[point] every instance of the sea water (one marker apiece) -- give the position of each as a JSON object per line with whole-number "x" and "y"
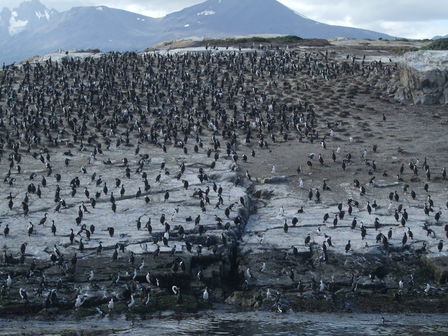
{"x": 241, "y": 324}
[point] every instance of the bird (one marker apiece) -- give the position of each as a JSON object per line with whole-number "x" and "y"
{"x": 30, "y": 229}
{"x": 248, "y": 274}
{"x": 132, "y": 302}
{"x": 99, "y": 248}
{"x": 23, "y": 248}
{"x": 410, "y": 233}
{"x": 91, "y": 276}
{"x": 321, "y": 286}
{"x": 111, "y": 305}
{"x": 347, "y": 246}
{"x": 43, "y": 220}
{"x": 175, "y": 290}
{"x": 377, "y": 223}
{"x": 23, "y": 295}
{"x": 405, "y": 239}
{"x": 307, "y": 239}
{"x": 53, "y": 228}
{"x": 354, "y": 222}
{"x": 205, "y": 295}
{"x": 80, "y": 299}
{"x": 6, "y": 230}
{"x": 335, "y": 220}
{"x": 285, "y": 227}
{"x": 111, "y": 231}
{"x": 9, "y": 281}
{"x": 295, "y": 252}
{"x": 295, "y": 220}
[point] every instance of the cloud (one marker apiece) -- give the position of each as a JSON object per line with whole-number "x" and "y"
{"x": 406, "y": 18}
{"x": 363, "y": 11}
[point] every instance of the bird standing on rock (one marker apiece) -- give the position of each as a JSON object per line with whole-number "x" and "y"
{"x": 348, "y": 247}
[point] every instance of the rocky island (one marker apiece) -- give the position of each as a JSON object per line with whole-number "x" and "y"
{"x": 265, "y": 178}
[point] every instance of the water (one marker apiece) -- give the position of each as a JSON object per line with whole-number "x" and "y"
{"x": 238, "y": 324}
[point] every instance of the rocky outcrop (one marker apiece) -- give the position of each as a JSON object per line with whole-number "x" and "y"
{"x": 438, "y": 267}
{"x": 424, "y": 77}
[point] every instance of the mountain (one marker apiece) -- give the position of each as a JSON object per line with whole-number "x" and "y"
{"x": 243, "y": 17}
{"x": 439, "y": 37}
{"x": 17, "y": 24}
{"x": 41, "y": 30}
{"x": 93, "y": 27}
{"x": 32, "y": 29}
{"x": 28, "y": 16}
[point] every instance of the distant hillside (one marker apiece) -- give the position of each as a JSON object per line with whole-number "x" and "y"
{"x": 439, "y": 37}
{"x": 243, "y": 42}
{"x": 439, "y": 44}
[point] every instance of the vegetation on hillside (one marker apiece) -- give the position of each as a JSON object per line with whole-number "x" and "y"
{"x": 256, "y": 39}
{"x": 276, "y": 41}
{"x": 440, "y": 44}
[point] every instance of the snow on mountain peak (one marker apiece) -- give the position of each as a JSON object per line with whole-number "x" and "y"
{"x": 206, "y": 13}
{"x": 16, "y": 25}
{"x": 41, "y": 15}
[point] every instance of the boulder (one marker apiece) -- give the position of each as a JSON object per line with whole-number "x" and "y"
{"x": 424, "y": 77}
{"x": 438, "y": 266}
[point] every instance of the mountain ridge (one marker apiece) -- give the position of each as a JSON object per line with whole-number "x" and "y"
{"x": 438, "y": 37}
{"x": 32, "y": 29}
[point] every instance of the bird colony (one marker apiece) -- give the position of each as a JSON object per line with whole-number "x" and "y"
{"x": 141, "y": 182}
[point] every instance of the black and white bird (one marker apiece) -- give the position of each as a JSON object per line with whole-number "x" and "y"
{"x": 23, "y": 295}
{"x": 132, "y": 302}
{"x": 205, "y": 295}
{"x": 79, "y": 301}
{"x": 111, "y": 305}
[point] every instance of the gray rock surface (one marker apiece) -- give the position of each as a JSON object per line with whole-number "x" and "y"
{"x": 424, "y": 77}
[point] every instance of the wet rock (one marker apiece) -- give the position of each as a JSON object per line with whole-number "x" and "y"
{"x": 170, "y": 302}
{"x": 243, "y": 299}
{"x": 263, "y": 194}
{"x": 438, "y": 266}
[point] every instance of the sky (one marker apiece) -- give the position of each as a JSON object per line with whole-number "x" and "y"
{"x": 403, "y": 18}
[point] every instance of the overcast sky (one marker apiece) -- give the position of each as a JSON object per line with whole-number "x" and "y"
{"x": 405, "y": 18}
